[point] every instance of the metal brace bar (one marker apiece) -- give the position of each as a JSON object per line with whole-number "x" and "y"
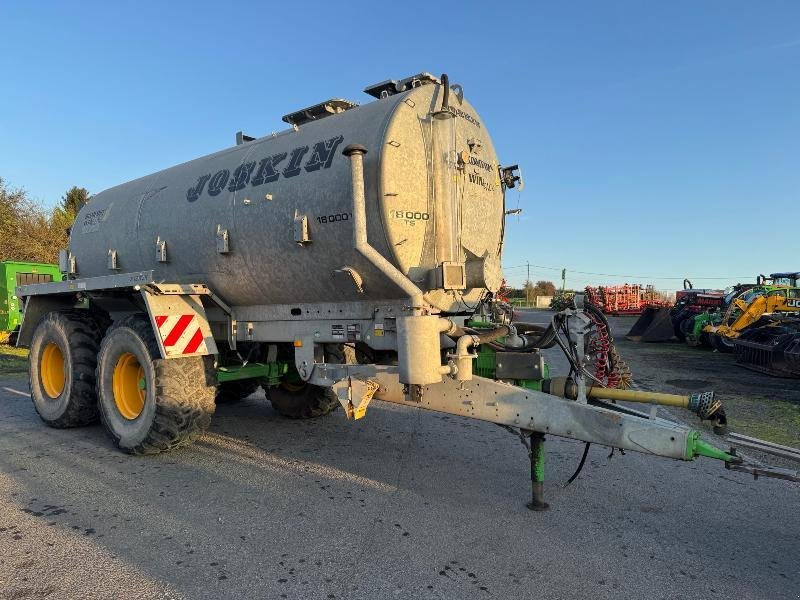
{"x": 764, "y": 446}
{"x": 762, "y": 471}
{"x": 87, "y": 284}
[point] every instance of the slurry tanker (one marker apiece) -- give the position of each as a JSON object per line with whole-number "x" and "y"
{"x": 354, "y": 256}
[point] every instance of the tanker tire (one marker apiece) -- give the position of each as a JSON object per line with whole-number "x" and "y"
{"x": 179, "y": 392}
{"x": 308, "y": 402}
{"x": 76, "y": 335}
{"x": 231, "y": 392}
{"x": 721, "y": 344}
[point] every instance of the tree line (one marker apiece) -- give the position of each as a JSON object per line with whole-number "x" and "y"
{"x": 29, "y": 232}
{"x": 531, "y": 290}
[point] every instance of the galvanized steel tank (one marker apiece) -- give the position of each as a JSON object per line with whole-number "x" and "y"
{"x": 269, "y": 221}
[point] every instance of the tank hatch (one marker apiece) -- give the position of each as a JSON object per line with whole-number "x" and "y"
{"x": 319, "y": 111}
{"x": 393, "y": 86}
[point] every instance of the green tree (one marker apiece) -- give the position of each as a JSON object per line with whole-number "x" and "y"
{"x": 74, "y": 199}
{"x": 529, "y": 291}
{"x": 28, "y": 231}
{"x": 71, "y": 202}
{"x": 544, "y": 288}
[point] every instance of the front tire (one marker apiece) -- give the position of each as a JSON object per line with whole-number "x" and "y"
{"x": 61, "y": 367}
{"x": 304, "y": 401}
{"x": 296, "y": 399}
{"x": 677, "y": 325}
{"x": 231, "y": 392}
{"x": 148, "y": 404}
{"x": 686, "y": 328}
{"x": 722, "y": 343}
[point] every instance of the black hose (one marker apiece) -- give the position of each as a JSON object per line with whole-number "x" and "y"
{"x": 485, "y": 336}
{"x": 589, "y": 307}
{"x": 595, "y": 311}
{"x": 580, "y": 464}
{"x": 490, "y": 336}
{"x": 523, "y": 327}
{"x": 446, "y": 93}
{"x": 546, "y": 340}
{"x": 545, "y": 337}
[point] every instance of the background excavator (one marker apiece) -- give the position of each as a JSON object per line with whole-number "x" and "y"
{"x": 772, "y": 344}
{"x": 715, "y": 317}
{"x": 748, "y": 308}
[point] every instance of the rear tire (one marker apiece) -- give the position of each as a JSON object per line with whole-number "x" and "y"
{"x": 148, "y": 404}
{"x": 61, "y": 367}
{"x": 306, "y": 401}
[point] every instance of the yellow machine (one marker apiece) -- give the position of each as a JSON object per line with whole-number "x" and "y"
{"x": 748, "y": 308}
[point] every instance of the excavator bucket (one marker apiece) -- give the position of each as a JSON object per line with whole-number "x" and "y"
{"x": 654, "y": 325}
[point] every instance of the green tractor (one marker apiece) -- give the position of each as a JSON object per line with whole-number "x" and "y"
{"x": 13, "y": 274}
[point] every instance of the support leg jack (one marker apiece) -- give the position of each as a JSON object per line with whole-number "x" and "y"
{"x": 536, "y": 454}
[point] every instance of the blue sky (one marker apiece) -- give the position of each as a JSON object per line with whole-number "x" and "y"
{"x": 657, "y": 139}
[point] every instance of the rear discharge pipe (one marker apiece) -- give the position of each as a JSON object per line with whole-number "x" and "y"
{"x": 355, "y": 153}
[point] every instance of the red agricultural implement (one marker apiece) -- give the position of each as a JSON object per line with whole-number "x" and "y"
{"x": 626, "y": 299}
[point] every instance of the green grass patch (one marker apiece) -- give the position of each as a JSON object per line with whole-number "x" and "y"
{"x": 768, "y": 419}
{"x": 13, "y": 362}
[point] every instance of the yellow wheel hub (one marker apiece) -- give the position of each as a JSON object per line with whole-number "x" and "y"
{"x": 129, "y": 386}
{"x": 51, "y": 370}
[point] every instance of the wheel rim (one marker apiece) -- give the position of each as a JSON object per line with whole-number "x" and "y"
{"x": 129, "y": 386}
{"x": 51, "y": 370}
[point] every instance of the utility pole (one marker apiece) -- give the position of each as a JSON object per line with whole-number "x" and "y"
{"x": 528, "y": 286}
{"x": 563, "y": 279}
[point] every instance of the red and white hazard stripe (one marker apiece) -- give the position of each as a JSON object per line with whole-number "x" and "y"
{"x": 180, "y": 334}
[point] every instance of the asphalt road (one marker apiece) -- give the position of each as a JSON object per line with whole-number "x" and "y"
{"x": 402, "y": 504}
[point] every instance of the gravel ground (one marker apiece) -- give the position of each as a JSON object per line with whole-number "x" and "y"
{"x": 402, "y": 504}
